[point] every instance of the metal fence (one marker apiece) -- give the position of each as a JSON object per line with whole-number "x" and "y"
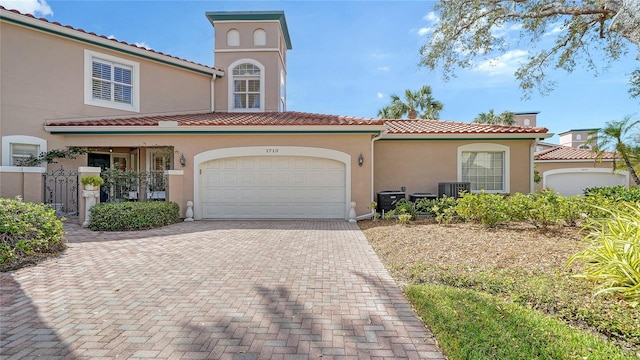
{"x": 133, "y": 186}
{"x": 60, "y": 191}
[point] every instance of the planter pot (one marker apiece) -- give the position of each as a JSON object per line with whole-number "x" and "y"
{"x": 90, "y": 187}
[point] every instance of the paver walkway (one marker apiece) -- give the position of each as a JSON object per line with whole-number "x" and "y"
{"x": 212, "y": 290}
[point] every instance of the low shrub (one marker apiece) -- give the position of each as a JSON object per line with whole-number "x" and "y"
{"x": 404, "y": 210}
{"x": 27, "y": 230}
{"x": 615, "y": 193}
{"x": 613, "y": 255}
{"x": 122, "y": 216}
{"x": 489, "y": 209}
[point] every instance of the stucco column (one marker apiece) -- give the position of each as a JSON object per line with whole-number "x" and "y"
{"x": 32, "y": 184}
{"x": 175, "y": 189}
{"x": 82, "y": 203}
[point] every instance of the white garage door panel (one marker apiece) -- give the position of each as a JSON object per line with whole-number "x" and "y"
{"x": 273, "y": 187}
{"x": 571, "y": 182}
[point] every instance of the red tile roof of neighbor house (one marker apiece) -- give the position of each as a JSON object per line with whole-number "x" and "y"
{"x": 293, "y": 118}
{"x": 451, "y": 127}
{"x": 571, "y": 153}
{"x": 107, "y": 38}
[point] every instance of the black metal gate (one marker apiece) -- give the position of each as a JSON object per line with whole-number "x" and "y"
{"x": 61, "y": 191}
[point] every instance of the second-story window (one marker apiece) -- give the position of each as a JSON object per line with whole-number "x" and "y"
{"x": 111, "y": 82}
{"x": 246, "y": 86}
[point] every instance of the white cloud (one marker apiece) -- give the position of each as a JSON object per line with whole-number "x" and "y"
{"x": 424, "y": 31}
{"x": 111, "y": 37}
{"x": 431, "y": 17}
{"x": 503, "y": 64}
{"x": 380, "y": 95}
{"x": 556, "y": 28}
{"x": 384, "y": 68}
{"x": 33, "y": 7}
{"x": 143, "y": 45}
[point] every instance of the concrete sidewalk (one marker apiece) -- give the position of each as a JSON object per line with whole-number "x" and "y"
{"x": 212, "y": 290}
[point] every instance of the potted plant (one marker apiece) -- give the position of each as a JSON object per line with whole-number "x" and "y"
{"x": 91, "y": 182}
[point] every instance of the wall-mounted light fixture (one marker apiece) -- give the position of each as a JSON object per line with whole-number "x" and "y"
{"x": 183, "y": 161}
{"x": 360, "y": 160}
{"x": 110, "y": 150}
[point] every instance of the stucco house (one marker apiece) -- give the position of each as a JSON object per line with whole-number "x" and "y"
{"x": 222, "y": 135}
{"x": 570, "y": 170}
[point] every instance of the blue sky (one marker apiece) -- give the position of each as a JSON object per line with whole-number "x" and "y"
{"x": 349, "y": 56}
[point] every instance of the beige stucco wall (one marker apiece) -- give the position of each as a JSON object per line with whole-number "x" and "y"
{"x": 271, "y": 56}
{"x": 419, "y": 165}
{"x": 43, "y": 79}
{"x": 191, "y": 145}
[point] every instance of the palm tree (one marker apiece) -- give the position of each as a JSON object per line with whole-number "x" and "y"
{"x": 622, "y": 136}
{"x": 505, "y": 118}
{"x": 412, "y": 102}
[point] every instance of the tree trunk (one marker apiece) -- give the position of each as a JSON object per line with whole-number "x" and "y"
{"x": 413, "y": 114}
{"x": 632, "y": 171}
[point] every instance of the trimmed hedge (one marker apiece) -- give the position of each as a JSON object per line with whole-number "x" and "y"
{"x": 27, "y": 230}
{"x": 615, "y": 193}
{"x": 122, "y": 216}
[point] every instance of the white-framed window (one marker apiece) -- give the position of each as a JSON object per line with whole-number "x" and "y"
{"x": 233, "y": 37}
{"x": 485, "y": 166}
{"x": 19, "y": 147}
{"x": 259, "y": 37}
{"x": 246, "y": 86}
{"x": 111, "y": 82}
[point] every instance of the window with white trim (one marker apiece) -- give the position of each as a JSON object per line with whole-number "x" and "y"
{"x": 111, "y": 82}
{"x": 16, "y": 148}
{"x": 246, "y": 86}
{"x": 233, "y": 37}
{"x": 485, "y": 166}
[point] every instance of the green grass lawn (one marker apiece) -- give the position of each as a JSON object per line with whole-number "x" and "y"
{"x": 474, "y": 325}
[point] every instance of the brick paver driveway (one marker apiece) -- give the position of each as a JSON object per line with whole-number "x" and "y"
{"x": 209, "y": 290}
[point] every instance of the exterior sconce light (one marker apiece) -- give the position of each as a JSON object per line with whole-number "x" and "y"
{"x": 183, "y": 161}
{"x": 110, "y": 150}
{"x": 360, "y": 160}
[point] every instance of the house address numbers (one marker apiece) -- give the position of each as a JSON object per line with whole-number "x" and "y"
{"x": 272, "y": 150}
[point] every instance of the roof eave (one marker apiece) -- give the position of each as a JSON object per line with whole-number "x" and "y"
{"x": 53, "y": 129}
{"x": 97, "y": 40}
{"x": 479, "y": 136}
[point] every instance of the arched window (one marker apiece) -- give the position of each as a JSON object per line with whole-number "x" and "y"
{"x": 233, "y": 38}
{"x": 527, "y": 122}
{"x": 259, "y": 37}
{"x": 247, "y": 89}
{"x": 578, "y": 137}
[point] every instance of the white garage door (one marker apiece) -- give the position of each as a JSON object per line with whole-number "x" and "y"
{"x": 273, "y": 187}
{"x": 571, "y": 182}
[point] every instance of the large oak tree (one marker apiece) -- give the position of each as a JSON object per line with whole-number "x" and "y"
{"x": 585, "y": 31}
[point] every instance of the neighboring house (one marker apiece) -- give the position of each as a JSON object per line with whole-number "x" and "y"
{"x": 222, "y": 135}
{"x": 528, "y": 118}
{"x": 579, "y": 138}
{"x": 570, "y": 170}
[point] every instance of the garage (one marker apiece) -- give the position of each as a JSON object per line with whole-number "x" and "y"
{"x": 573, "y": 181}
{"x": 273, "y": 187}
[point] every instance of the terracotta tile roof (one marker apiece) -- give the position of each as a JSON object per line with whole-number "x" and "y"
{"x": 570, "y": 153}
{"x": 106, "y": 38}
{"x": 451, "y": 127}
{"x": 227, "y": 119}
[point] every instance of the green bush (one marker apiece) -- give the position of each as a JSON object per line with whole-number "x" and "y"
{"x": 442, "y": 209}
{"x": 613, "y": 255}
{"x": 404, "y": 210}
{"x": 27, "y": 229}
{"x": 489, "y": 209}
{"x": 615, "y": 193}
{"x": 121, "y": 216}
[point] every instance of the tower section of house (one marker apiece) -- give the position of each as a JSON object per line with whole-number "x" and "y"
{"x": 251, "y": 46}
{"x": 526, "y": 118}
{"x": 579, "y": 138}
